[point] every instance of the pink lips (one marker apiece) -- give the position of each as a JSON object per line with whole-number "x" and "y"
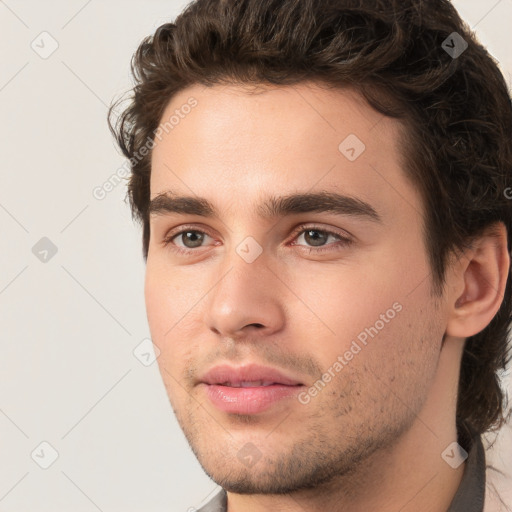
{"x": 247, "y": 389}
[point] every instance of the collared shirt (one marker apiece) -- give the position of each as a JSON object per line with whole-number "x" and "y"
{"x": 469, "y": 496}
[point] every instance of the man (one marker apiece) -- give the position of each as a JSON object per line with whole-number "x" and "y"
{"x": 326, "y": 225}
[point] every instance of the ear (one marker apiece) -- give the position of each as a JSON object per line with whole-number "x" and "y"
{"x": 482, "y": 277}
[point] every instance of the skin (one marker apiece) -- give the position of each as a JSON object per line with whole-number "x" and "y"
{"x": 373, "y": 437}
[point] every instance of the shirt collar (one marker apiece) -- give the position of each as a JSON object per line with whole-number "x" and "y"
{"x": 471, "y": 492}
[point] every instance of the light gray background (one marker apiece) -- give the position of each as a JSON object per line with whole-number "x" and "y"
{"x": 68, "y": 375}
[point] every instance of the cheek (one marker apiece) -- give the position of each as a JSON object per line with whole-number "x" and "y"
{"x": 161, "y": 308}
{"x": 340, "y": 303}
{"x": 171, "y": 307}
{"x": 165, "y": 296}
{"x": 156, "y": 303}
{"x": 376, "y": 303}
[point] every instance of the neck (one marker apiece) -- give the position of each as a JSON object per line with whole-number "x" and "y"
{"x": 410, "y": 475}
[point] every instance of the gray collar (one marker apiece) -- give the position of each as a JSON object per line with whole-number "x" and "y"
{"x": 471, "y": 492}
{"x": 219, "y": 503}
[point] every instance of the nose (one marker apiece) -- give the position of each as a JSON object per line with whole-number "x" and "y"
{"x": 247, "y": 300}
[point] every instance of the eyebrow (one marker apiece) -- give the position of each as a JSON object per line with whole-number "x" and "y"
{"x": 271, "y": 208}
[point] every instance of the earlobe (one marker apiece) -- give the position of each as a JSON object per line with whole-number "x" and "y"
{"x": 485, "y": 270}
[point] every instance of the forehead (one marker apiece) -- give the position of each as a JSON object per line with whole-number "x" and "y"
{"x": 242, "y": 142}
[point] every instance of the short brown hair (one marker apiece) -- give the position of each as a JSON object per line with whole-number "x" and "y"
{"x": 458, "y": 144}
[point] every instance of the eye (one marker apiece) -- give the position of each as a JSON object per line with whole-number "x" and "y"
{"x": 193, "y": 238}
{"x": 310, "y": 235}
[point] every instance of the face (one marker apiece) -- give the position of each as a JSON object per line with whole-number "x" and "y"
{"x": 336, "y": 300}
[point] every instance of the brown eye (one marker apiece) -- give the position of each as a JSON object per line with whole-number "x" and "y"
{"x": 188, "y": 240}
{"x": 194, "y": 238}
{"x": 316, "y": 237}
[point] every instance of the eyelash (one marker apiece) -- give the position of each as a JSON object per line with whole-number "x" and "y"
{"x": 343, "y": 240}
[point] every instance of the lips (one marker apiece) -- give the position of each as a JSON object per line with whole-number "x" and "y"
{"x": 247, "y": 376}
{"x": 249, "y": 389}
{"x": 248, "y": 384}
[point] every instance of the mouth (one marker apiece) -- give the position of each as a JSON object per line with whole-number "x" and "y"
{"x": 250, "y": 384}
{"x": 248, "y": 389}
